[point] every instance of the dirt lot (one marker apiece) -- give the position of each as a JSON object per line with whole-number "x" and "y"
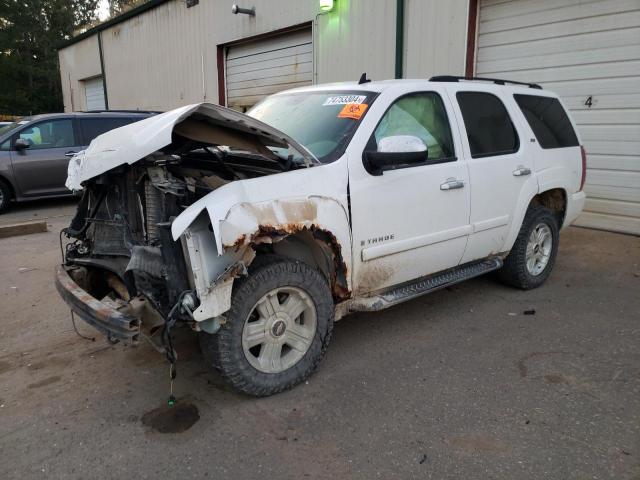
{"x": 458, "y": 384}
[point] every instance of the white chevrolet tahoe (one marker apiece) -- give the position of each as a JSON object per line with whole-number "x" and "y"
{"x": 258, "y": 231}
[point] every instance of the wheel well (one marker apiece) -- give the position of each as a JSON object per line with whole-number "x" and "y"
{"x": 317, "y": 248}
{"x": 555, "y": 200}
{"x": 9, "y": 185}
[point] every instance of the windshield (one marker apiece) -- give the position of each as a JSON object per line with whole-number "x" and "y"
{"x": 12, "y": 126}
{"x": 324, "y": 122}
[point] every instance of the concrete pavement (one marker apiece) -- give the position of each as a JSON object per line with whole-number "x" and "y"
{"x": 457, "y": 384}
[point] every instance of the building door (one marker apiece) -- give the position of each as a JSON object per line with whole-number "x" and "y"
{"x": 588, "y": 53}
{"x": 94, "y": 94}
{"x": 256, "y": 69}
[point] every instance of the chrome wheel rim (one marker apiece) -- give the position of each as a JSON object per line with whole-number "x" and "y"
{"x": 1, "y": 197}
{"x": 539, "y": 249}
{"x": 279, "y": 330}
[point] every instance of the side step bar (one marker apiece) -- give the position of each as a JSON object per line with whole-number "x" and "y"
{"x": 425, "y": 285}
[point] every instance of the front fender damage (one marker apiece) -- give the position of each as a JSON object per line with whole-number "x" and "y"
{"x": 321, "y": 224}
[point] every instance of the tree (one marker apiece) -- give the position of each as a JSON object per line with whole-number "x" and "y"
{"x": 116, "y": 7}
{"x": 30, "y": 32}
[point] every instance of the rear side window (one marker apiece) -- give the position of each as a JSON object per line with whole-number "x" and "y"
{"x": 92, "y": 127}
{"x": 489, "y": 127}
{"x": 548, "y": 120}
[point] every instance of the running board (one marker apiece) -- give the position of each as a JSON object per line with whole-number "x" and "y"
{"x": 424, "y": 285}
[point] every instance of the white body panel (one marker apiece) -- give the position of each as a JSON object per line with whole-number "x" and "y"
{"x": 404, "y": 225}
{"x": 498, "y": 197}
{"x": 240, "y": 207}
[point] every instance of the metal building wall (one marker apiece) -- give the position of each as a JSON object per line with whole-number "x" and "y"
{"x": 167, "y": 56}
{"x": 78, "y": 62}
{"x": 589, "y": 54}
{"x": 171, "y": 50}
{"x": 358, "y": 36}
{"x": 435, "y": 37}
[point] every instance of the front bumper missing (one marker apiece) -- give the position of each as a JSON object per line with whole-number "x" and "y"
{"x": 116, "y": 324}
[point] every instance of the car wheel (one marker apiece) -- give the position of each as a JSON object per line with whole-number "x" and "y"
{"x": 5, "y": 195}
{"x": 277, "y": 330}
{"x": 534, "y": 252}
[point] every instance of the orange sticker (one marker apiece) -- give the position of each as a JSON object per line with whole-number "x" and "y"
{"x": 353, "y": 110}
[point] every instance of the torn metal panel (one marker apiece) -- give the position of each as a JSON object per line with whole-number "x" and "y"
{"x": 271, "y": 221}
{"x": 213, "y": 274}
{"x": 104, "y": 317}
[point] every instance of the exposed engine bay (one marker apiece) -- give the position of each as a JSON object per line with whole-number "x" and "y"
{"x": 121, "y": 249}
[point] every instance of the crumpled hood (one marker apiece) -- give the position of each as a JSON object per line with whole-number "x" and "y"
{"x": 133, "y": 142}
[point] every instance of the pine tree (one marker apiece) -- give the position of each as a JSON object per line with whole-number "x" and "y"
{"x": 30, "y": 32}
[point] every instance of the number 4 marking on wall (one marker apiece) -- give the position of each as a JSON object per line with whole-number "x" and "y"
{"x": 589, "y": 101}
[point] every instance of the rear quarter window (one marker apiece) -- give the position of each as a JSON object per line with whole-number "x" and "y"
{"x": 93, "y": 127}
{"x": 489, "y": 128}
{"x": 548, "y": 120}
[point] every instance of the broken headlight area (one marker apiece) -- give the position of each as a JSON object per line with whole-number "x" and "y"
{"x": 120, "y": 250}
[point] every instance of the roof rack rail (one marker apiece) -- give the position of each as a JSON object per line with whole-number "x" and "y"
{"x": 120, "y": 111}
{"x": 497, "y": 81}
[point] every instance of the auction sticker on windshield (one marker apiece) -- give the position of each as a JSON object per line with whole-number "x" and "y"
{"x": 353, "y": 110}
{"x": 344, "y": 99}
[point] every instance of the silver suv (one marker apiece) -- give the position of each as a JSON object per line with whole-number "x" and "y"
{"x": 35, "y": 151}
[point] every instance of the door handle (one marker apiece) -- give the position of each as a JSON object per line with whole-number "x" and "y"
{"x": 451, "y": 184}
{"x": 70, "y": 153}
{"x": 521, "y": 171}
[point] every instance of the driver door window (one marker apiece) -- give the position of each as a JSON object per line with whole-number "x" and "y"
{"x": 421, "y": 115}
{"x": 50, "y": 134}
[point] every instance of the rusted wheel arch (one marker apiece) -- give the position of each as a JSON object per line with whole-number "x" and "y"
{"x": 311, "y": 245}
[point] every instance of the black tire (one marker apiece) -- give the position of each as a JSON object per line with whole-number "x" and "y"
{"x": 515, "y": 271}
{"x": 5, "y": 195}
{"x": 224, "y": 350}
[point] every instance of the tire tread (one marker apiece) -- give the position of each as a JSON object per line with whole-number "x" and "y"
{"x": 219, "y": 349}
{"x": 514, "y": 271}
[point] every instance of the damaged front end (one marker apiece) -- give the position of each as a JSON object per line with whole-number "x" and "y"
{"x": 124, "y": 271}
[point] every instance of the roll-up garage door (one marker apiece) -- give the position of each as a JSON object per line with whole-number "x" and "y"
{"x": 262, "y": 67}
{"x": 94, "y": 94}
{"x": 589, "y": 53}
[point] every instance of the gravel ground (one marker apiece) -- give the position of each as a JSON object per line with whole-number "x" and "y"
{"x": 457, "y": 384}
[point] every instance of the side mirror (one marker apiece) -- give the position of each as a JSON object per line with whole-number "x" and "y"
{"x": 402, "y": 144}
{"x": 21, "y": 144}
{"x": 397, "y": 151}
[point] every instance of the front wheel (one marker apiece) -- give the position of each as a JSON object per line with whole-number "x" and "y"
{"x": 5, "y": 195}
{"x": 277, "y": 330}
{"x": 534, "y": 252}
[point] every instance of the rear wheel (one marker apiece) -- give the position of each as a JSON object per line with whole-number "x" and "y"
{"x": 534, "y": 252}
{"x": 5, "y": 195}
{"x": 277, "y": 330}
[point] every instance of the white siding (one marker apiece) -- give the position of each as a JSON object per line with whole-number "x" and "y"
{"x": 80, "y": 61}
{"x": 579, "y": 49}
{"x": 435, "y": 35}
{"x": 167, "y": 57}
{"x": 259, "y": 68}
{"x": 94, "y": 94}
{"x": 357, "y": 36}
